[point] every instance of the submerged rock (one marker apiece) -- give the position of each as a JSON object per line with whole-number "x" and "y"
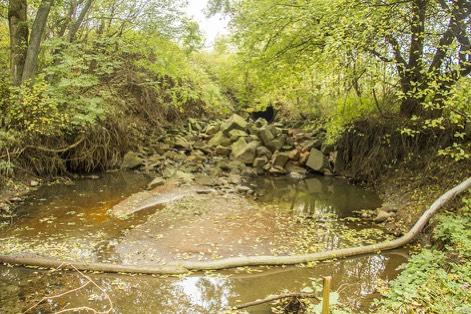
{"x": 159, "y": 181}
{"x": 383, "y": 215}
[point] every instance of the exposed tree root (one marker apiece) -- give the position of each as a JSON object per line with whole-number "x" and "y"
{"x": 233, "y": 262}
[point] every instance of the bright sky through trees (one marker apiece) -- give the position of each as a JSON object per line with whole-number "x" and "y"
{"x": 211, "y": 27}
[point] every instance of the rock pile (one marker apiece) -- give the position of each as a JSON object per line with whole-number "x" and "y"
{"x": 272, "y": 148}
{"x": 236, "y": 145}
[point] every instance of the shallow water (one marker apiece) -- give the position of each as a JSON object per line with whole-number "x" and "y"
{"x": 71, "y": 221}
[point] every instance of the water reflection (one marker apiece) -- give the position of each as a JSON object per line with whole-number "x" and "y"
{"x": 315, "y": 196}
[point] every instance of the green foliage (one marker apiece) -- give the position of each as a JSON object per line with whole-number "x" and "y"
{"x": 34, "y": 112}
{"x": 436, "y": 281}
{"x": 178, "y": 75}
{"x": 347, "y": 111}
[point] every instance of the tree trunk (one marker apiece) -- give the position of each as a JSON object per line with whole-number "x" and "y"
{"x": 411, "y": 106}
{"x": 37, "y": 33}
{"x": 75, "y": 26}
{"x": 18, "y": 25}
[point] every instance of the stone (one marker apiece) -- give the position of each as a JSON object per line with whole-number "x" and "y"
{"x": 132, "y": 161}
{"x": 295, "y": 170}
{"x": 182, "y": 143}
{"x": 252, "y": 129}
{"x": 194, "y": 124}
{"x": 275, "y": 145}
{"x": 260, "y": 123}
{"x": 219, "y": 139}
{"x": 184, "y": 177}
{"x": 316, "y": 161}
{"x": 159, "y": 181}
{"x": 279, "y": 160}
{"x": 382, "y": 216}
{"x": 204, "y": 191}
{"x": 234, "y": 166}
{"x": 266, "y": 136}
{"x": 212, "y": 129}
{"x": 243, "y": 151}
{"x": 277, "y": 170}
{"x": 327, "y": 172}
{"x": 308, "y": 145}
{"x": 223, "y": 150}
{"x": 303, "y": 157}
{"x": 206, "y": 180}
{"x": 260, "y": 162}
{"x": 263, "y": 151}
{"x": 162, "y": 148}
{"x": 174, "y": 155}
{"x": 234, "y": 135}
{"x": 168, "y": 172}
{"x": 243, "y": 189}
{"x": 293, "y": 154}
{"x": 234, "y": 179}
{"x": 233, "y": 123}
{"x": 34, "y": 183}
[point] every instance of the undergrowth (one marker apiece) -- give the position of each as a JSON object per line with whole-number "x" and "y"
{"x": 438, "y": 279}
{"x": 92, "y": 102}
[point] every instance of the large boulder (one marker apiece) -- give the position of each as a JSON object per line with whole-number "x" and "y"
{"x": 235, "y": 122}
{"x": 243, "y": 151}
{"x": 317, "y": 161}
{"x": 132, "y": 161}
{"x": 219, "y": 139}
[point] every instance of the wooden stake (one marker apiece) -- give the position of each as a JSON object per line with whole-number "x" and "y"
{"x": 326, "y": 295}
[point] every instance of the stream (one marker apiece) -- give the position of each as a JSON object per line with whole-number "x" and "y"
{"x": 287, "y": 216}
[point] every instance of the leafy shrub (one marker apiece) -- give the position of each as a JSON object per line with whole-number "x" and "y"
{"x": 34, "y": 111}
{"x": 436, "y": 281}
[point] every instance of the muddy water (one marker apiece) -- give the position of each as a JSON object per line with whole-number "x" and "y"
{"x": 289, "y": 216}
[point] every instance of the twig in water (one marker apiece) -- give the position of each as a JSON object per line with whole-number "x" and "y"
{"x": 76, "y": 309}
{"x": 274, "y": 298}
